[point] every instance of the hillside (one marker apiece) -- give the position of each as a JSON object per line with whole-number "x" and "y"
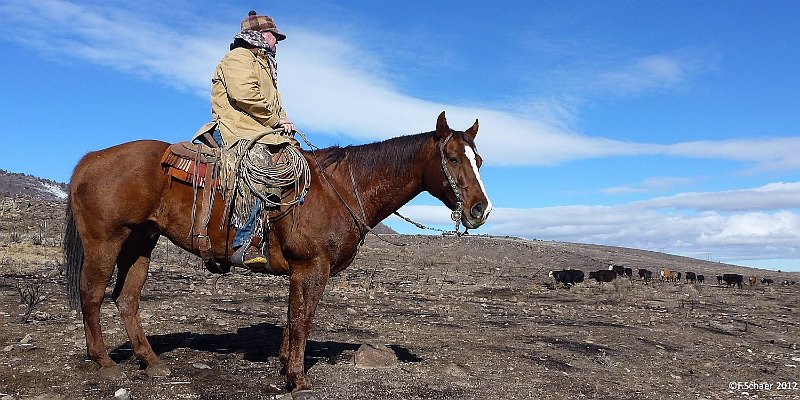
{"x": 31, "y": 187}
{"x": 470, "y": 318}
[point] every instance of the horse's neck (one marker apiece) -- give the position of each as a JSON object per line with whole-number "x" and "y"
{"x": 383, "y": 195}
{"x": 383, "y": 183}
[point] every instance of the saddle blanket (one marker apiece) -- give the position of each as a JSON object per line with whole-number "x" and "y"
{"x": 188, "y": 163}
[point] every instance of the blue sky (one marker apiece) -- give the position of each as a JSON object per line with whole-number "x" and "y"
{"x": 662, "y": 125}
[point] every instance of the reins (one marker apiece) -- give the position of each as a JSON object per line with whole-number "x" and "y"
{"x": 358, "y": 221}
{"x": 455, "y": 215}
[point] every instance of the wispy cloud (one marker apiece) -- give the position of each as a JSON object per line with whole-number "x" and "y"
{"x": 770, "y": 197}
{"x": 650, "y": 72}
{"x": 332, "y": 92}
{"x": 650, "y": 185}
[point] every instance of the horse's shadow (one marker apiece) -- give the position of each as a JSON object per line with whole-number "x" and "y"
{"x": 257, "y": 343}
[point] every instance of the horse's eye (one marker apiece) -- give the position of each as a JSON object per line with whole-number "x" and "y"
{"x": 453, "y": 160}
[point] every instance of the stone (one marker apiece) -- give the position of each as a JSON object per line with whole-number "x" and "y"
{"x": 122, "y": 394}
{"x": 373, "y": 355}
{"x": 40, "y": 316}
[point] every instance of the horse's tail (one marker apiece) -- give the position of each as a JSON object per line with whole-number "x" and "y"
{"x": 73, "y": 259}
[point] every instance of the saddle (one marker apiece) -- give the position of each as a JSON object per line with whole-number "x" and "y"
{"x": 189, "y": 162}
{"x": 198, "y": 165}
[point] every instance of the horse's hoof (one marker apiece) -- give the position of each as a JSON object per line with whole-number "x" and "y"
{"x": 157, "y": 371}
{"x": 112, "y": 372}
{"x": 304, "y": 395}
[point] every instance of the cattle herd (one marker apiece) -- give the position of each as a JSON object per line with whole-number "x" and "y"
{"x": 569, "y": 277}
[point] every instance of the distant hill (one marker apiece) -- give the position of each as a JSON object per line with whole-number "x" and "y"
{"x": 28, "y": 186}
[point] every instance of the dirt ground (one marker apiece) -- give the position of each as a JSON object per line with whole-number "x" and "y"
{"x": 467, "y": 318}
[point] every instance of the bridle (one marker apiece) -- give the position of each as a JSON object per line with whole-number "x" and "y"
{"x": 456, "y": 214}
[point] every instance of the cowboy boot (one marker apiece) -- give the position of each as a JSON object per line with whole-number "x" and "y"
{"x": 255, "y": 258}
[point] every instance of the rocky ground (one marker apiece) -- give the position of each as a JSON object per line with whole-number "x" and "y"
{"x": 465, "y": 318}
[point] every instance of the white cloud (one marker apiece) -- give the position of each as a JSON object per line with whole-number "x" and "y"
{"x": 765, "y": 154}
{"x": 757, "y": 223}
{"x": 770, "y": 197}
{"x": 327, "y": 89}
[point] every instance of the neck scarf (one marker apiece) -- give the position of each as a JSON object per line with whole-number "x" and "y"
{"x": 256, "y": 39}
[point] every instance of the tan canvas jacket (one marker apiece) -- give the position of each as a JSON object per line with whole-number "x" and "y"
{"x": 244, "y": 99}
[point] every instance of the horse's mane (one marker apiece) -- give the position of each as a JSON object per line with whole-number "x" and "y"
{"x": 392, "y": 153}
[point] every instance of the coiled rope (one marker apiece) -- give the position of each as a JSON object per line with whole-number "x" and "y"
{"x": 258, "y": 171}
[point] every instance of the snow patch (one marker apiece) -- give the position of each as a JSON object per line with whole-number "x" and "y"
{"x": 55, "y": 190}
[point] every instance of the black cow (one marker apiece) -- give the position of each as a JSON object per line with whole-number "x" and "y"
{"x": 788, "y": 282}
{"x": 678, "y": 278}
{"x": 603, "y": 275}
{"x": 733, "y": 279}
{"x": 628, "y": 272}
{"x": 691, "y": 276}
{"x": 767, "y": 281}
{"x": 719, "y": 279}
{"x": 645, "y": 274}
{"x": 701, "y": 278}
{"x": 567, "y": 276}
{"x": 618, "y": 269}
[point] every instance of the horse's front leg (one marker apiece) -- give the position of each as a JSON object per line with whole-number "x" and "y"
{"x": 306, "y": 286}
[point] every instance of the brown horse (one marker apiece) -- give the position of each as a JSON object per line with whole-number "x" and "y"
{"x": 121, "y": 201}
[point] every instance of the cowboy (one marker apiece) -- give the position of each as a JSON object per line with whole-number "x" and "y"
{"x": 246, "y": 104}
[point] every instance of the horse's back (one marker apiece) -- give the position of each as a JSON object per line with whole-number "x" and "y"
{"x": 123, "y": 182}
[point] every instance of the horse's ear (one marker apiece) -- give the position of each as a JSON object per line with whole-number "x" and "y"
{"x": 472, "y": 131}
{"x": 442, "y": 130}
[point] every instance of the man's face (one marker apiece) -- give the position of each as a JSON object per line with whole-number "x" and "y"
{"x": 270, "y": 38}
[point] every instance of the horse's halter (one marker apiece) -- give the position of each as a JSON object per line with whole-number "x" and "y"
{"x": 456, "y": 214}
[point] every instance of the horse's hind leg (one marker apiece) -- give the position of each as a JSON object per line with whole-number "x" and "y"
{"x": 132, "y": 267}
{"x": 98, "y": 266}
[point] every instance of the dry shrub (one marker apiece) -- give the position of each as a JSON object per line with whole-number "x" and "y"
{"x": 15, "y": 237}
{"x": 29, "y": 289}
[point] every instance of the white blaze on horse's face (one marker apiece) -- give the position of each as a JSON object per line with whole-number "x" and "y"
{"x": 474, "y": 163}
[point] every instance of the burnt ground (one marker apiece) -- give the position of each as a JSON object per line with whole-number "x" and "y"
{"x": 468, "y": 318}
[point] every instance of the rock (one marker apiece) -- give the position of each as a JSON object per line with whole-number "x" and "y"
{"x": 372, "y": 355}
{"x": 456, "y": 370}
{"x": 8, "y": 348}
{"x": 201, "y": 366}
{"x": 27, "y": 339}
{"x": 122, "y": 394}
{"x": 304, "y": 395}
{"x": 48, "y": 396}
{"x": 25, "y": 346}
{"x": 40, "y": 316}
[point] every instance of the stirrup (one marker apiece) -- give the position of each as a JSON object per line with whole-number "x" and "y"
{"x": 255, "y": 261}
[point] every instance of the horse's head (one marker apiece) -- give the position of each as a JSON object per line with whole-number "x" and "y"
{"x": 454, "y": 175}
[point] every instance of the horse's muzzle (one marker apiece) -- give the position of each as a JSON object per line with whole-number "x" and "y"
{"x": 476, "y": 217}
